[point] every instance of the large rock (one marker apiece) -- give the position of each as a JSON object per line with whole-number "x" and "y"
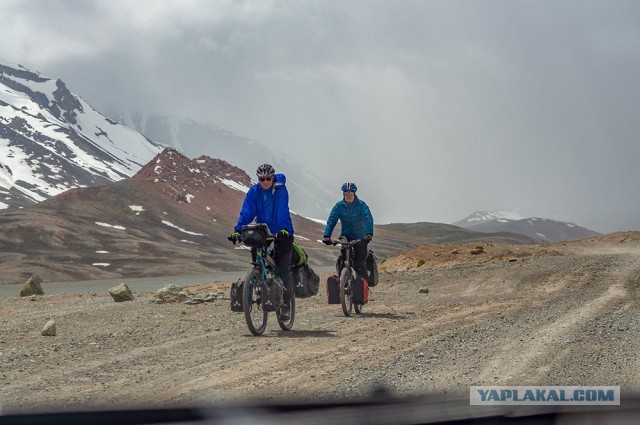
{"x": 121, "y": 293}
{"x": 33, "y": 286}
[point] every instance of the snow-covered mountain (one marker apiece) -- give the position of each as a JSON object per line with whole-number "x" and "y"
{"x": 51, "y": 140}
{"x": 486, "y": 216}
{"x": 537, "y": 228}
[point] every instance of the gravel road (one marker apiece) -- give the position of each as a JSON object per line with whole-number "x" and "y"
{"x": 568, "y": 319}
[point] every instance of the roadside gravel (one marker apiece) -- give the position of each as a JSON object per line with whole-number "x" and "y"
{"x": 561, "y": 319}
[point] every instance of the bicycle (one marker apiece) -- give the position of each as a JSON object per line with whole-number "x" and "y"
{"x": 346, "y": 277}
{"x": 259, "y": 237}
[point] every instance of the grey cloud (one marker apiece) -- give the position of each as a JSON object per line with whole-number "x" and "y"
{"x": 437, "y": 108}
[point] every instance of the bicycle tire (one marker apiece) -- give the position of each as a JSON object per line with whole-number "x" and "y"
{"x": 252, "y": 302}
{"x": 286, "y": 326}
{"x": 345, "y": 292}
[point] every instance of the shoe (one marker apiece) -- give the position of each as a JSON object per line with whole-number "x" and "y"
{"x": 284, "y": 313}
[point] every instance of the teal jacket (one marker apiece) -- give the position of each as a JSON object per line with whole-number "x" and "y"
{"x": 356, "y": 220}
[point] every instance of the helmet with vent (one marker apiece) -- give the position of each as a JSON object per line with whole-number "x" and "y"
{"x": 265, "y": 170}
{"x": 349, "y": 187}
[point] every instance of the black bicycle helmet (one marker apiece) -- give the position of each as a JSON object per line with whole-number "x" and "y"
{"x": 349, "y": 187}
{"x": 265, "y": 170}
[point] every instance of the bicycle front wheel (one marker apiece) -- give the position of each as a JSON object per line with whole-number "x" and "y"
{"x": 252, "y": 291}
{"x": 345, "y": 292}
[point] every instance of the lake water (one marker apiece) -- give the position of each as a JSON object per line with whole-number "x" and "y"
{"x": 143, "y": 284}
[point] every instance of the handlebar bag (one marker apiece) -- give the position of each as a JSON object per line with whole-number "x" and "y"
{"x": 253, "y": 236}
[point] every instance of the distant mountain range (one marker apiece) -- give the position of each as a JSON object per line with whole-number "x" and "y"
{"x": 538, "y": 229}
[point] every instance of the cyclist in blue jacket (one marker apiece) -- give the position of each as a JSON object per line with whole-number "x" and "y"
{"x": 356, "y": 222}
{"x": 268, "y": 202}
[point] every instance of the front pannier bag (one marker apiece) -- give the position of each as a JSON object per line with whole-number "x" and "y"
{"x": 360, "y": 291}
{"x": 272, "y": 298}
{"x": 333, "y": 290}
{"x": 236, "y": 295}
{"x": 372, "y": 268}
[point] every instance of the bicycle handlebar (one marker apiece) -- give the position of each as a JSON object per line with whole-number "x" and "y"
{"x": 335, "y": 242}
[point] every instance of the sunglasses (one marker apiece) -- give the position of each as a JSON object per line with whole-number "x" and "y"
{"x": 262, "y": 179}
{"x": 348, "y": 193}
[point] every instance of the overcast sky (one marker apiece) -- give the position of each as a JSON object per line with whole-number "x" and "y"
{"x": 434, "y": 108}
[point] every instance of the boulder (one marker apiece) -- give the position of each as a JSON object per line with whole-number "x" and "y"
{"x": 121, "y": 293}
{"x": 33, "y": 286}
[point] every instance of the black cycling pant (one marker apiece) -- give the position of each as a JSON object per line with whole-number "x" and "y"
{"x": 284, "y": 248}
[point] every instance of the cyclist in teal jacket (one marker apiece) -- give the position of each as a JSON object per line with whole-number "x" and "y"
{"x": 268, "y": 202}
{"x": 356, "y": 222}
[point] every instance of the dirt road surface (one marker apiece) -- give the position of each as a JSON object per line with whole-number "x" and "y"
{"x": 571, "y": 318}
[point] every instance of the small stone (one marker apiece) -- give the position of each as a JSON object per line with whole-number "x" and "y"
{"x": 49, "y": 328}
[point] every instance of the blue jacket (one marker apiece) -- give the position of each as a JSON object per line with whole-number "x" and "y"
{"x": 356, "y": 220}
{"x": 267, "y": 206}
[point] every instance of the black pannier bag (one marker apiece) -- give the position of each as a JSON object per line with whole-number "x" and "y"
{"x": 254, "y": 235}
{"x": 372, "y": 268}
{"x": 272, "y": 297}
{"x": 236, "y": 295}
{"x": 360, "y": 291}
{"x": 306, "y": 282}
{"x": 333, "y": 290}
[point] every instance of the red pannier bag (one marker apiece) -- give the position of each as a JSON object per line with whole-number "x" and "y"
{"x": 360, "y": 293}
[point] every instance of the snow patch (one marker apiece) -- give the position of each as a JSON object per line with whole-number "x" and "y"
{"x": 235, "y": 185}
{"x": 101, "y": 264}
{"x": 167, "y": 223}
{"x": 136, "y": 207}
{"x": 99, "y": 223}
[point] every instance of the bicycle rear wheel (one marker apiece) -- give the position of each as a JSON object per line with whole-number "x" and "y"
{"x": 345, "y": 292}
{"x": 254, "y": 314}
{"x": 287, "y": 325}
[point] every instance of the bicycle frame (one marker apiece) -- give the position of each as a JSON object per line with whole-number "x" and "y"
{"x": 346, "y": 275}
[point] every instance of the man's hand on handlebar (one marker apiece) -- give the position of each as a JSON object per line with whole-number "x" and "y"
{"x": 327, "y": 240}
{"x": 235, "y": 237}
